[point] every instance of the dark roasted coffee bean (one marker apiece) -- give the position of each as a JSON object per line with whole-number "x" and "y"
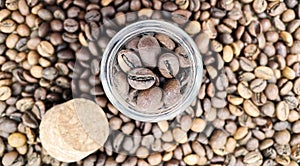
{"x": 128, "y": 60}
{"x": 92, "y": 15}
{"x": 168, "y": 65}
{"x": 149, "y": 49}
{"x": 150, "y": 99}
{"x": 141, "y": 78}
{"x": 182, "y": 56}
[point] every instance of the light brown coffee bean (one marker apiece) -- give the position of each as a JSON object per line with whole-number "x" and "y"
{"x": 168, "y": 65}
{"x": 7, "y": 26}
{"x": 246, "y": 64}
{"x": 253, "y": 158}
{"x": 241, "y": 133}
{"x": 36, "y": 71}
{"x": 9, "y": 158}
{"x": 227, "y": 53}
{"x": 11, "y": 40}
{"x": 191, "y": 159}
{"x": 250, "y": 108}
{"x": 149, "y": 49}
{"x": 5, "y": 93}
{"x": 150, "y": 99}
{"x": 258, "y": 85}
{"x": 272, "y": 92}
{"x": 282, "y": 137}
{"x": 141, "y": 78}
{"x": 297, "y": 86}
{"x": 282, "y": 111}
{"x": 11, "y": 4}
{"x": 259, "y": 6}
{"x": 289, "y": 73}
{"x": 45, "y": 49}
{"x": 263, "y": 72}
{"x": 288, "y": 15}
{"x": 179, "y": 135}
{"x": 193, "y": 27}
{"x": 243, "y": 90}
{"x": 4, "y": 13}
{"x": 287, "y": 38}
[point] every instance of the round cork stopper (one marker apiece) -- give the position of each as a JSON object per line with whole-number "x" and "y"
{"x": 73, "y": 130}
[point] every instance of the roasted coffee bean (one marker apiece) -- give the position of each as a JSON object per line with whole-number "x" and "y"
{"x": 149, "y": 49}
{"x": 150, "y": 99}
{"x": 165, "y": 41}
{"x": 7, "y": 26}
{"x": 121, "y": 83}
{"x": 70, "y": 25}
{"x": 141, "y": 78}
{"x": 172, "y": 92}
{"x": 183, "y": 58}
{"x": 128, "y": 60}
{"x": 168, "y": 65}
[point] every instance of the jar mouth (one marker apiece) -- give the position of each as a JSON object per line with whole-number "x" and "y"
{"x": 131, "y": 31}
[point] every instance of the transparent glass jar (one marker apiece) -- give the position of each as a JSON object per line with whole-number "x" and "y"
{"x": 110, "y": 57}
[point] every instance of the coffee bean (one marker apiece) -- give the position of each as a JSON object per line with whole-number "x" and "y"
{"x": 258, "y": 85}
{"x": 259, "y": 6}
{"x": 276, "y": 8}
{"x": 182, "y": 57}
{"x": 250, "y": 108}
{"x": 70, "y": 25}
{"x": 253, "y": 157}
{"x": 9, "y": 158}
{"x": 246, "y": 64}
{"x": 141, "y": 78}
{"x": 149, "y": 49}
{"x": 282, "y": 110}
{"x": 243, "y": 90}
{"x": 128, "y": 60}
{"x": 45, "y": 49}
{"x": 181, "y": 16}
{"x": 264, "y": 72}
{"x": 45, "y": 14}
{"x": 168, "y": 65}
{"x": 150, "y": 99}
{"x": 292, "y": 101}
{"x": 5, "y": 93}
{"x": 165, "y": 41}
{"x": 171, "y": 92}
{"x": 7, "y": 26}
{"x": 193, "y": 27}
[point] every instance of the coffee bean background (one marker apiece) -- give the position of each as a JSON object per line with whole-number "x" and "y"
{"x": 246, "y": 112}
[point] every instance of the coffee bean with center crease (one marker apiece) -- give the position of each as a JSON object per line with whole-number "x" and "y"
{"x": 70, "y": 25}
{"x": 182, "y": 56}
{"x": 168, "y": 65}
{"x": 7, "y": 26}
{"x": 149, "y": 49}
{"x": 128, "y": 60}
{"x": 141, "y": 78}
{"x": 258, "y": 85}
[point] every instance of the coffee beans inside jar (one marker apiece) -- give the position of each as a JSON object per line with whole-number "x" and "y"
{"x": 151, "y": 72}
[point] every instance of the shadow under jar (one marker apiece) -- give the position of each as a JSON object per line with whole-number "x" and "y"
{"x": 151, "y": 70}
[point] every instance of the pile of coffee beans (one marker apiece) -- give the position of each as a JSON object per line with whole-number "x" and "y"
{"x": 152, "y": 71}
{"x": 246, "y": 112}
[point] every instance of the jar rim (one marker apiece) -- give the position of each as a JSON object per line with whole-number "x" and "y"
{"x": 128, "y": 33}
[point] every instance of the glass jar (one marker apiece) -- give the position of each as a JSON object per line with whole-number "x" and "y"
{"x": 109, "y": 60}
